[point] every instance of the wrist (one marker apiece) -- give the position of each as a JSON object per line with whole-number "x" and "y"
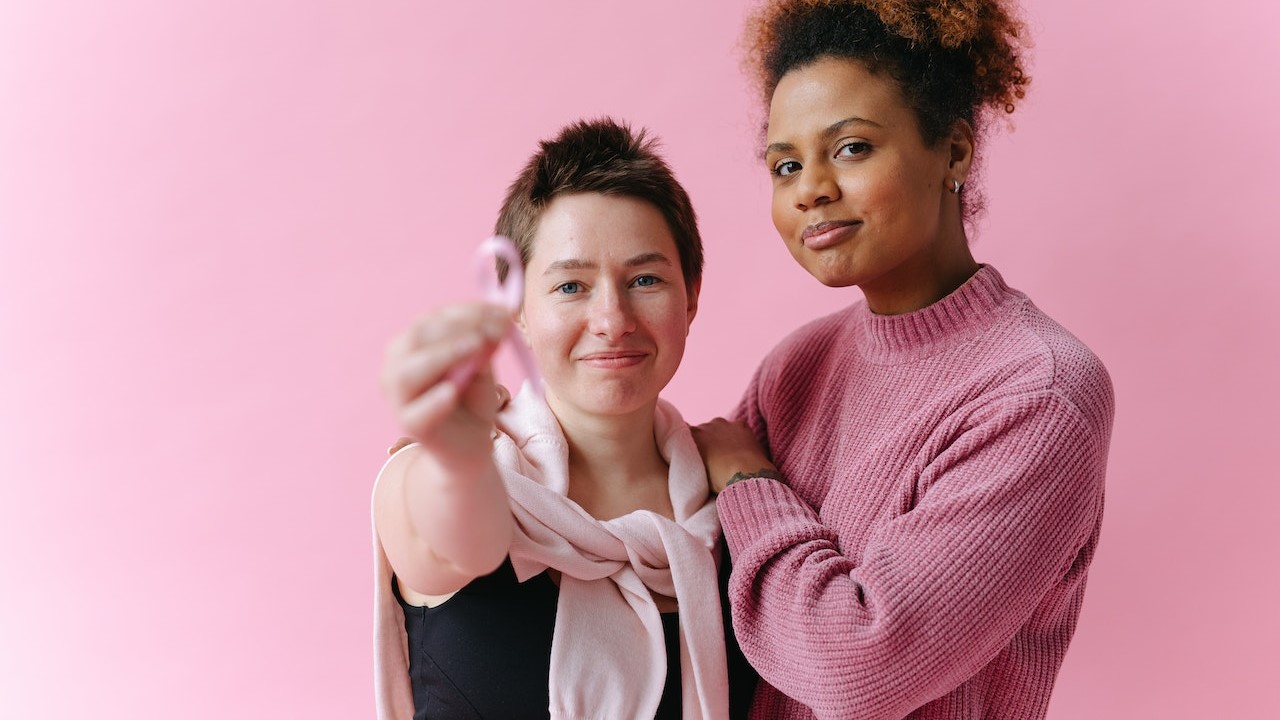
{"x": 445, "y": 468}
{"x": 768, "y": 471}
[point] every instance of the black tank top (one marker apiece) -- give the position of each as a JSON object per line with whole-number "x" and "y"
{"x": 486, "y": 652}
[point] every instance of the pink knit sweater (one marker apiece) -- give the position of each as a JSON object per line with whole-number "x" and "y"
{"x": 926, "y": 556}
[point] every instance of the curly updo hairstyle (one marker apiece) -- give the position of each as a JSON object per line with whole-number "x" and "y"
{"x": 951, "y": 59}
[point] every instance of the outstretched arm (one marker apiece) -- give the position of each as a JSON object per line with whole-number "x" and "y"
{"x": 440, "y": 507}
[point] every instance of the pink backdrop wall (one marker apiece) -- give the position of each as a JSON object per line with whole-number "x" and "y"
{"x": 213, "y": 214}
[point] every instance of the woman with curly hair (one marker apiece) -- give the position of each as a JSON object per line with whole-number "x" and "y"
{"x": 911, "y": 489}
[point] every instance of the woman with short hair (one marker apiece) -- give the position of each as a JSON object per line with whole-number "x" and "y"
{"x": 557, "y": 557}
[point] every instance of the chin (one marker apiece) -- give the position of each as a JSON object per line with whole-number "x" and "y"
{"x": 835, "y": 280}
{"x": 827, "y": 267}
{"x": 608, "y": 401}
{"x": 832, "y": 276}
{"x": 618, "y": 407}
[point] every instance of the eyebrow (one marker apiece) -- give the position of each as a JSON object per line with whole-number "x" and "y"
{"x": 578, "y": 264}
{"x": 831, "y": 129}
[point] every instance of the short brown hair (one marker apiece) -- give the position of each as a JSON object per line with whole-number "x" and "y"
{"x": 599, "y": 156}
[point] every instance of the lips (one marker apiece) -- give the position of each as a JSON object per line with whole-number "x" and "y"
{"x": 612, "y": 359}
{"x": 820, "y": 236}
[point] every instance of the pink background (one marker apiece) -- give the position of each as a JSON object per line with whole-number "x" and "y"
{"x": 213, "y": 215}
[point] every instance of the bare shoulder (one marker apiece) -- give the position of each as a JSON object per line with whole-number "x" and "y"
{"x": 417, "y": 599}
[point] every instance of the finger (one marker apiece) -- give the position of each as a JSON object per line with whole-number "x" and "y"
{"x": 413, "y": 374}
{"x": 401, "y": 345}
{"x": 439, "y": 345}
{"x": 446, "y": 324}
{"x": 443, "y": 324}
{"x": 706, "y": 430}
{"x": 461, "y": 375}
{"x": 399, "y": 445}
{"x": 480, "y": 394}
{"x": 421, "y": 416}
{"x": 700, "y": 440}
{"x": 465, "y": 360}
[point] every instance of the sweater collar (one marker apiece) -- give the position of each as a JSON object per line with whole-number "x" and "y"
{"x": 970, "y": 309}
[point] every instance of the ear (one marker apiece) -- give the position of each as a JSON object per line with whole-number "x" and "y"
{"x": 960, "y": 149}
{"x": 694, "y": 291}
{"x": 523, "y": 326}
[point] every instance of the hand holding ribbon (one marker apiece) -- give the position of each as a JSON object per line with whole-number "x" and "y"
{"x": 509, "y": 293}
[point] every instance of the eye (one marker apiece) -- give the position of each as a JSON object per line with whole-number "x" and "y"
{"x": 853, "y": 149}
{"x": 646, "y": 281}
{"x": 569, "y": 288}
{"x": 785, "y": 168}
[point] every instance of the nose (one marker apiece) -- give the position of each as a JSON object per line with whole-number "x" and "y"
{"x": 612, "y": 316}
{"x": 817, "y": 186}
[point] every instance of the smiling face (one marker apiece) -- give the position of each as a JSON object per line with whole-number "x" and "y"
{"x": 858, "y": 197}
{"x": 606, "y": 309}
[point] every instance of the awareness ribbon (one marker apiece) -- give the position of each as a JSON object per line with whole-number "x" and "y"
{"x": 508, "y": 293}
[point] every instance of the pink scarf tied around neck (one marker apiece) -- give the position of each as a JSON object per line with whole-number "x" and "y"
{"x": 608, "y": 652}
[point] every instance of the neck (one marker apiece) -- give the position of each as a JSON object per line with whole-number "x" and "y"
{"x": 934, "y": 274}
{"x": 609, "y": 452}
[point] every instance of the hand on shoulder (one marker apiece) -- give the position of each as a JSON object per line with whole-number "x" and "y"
{"x": 731, "y": 452}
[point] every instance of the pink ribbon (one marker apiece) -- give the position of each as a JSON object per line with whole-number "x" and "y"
{"x": 509, "y": 294}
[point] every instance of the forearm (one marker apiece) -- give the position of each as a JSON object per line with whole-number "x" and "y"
{"x": 462, "y": 511}
{"x": 845, "y": 640}
{"x": 928, "y": 599}
{"x": 801, "y": 620}
{"x": 442, "y": 524}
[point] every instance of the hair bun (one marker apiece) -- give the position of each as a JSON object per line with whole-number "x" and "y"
{"x": 988, "y": 33}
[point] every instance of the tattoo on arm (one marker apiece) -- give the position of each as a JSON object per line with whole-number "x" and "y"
{"x": 761, "y": 473}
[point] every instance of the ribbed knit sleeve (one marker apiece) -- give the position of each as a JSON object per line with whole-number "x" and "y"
{"x": 748, "y": 410}
{"x": 1002, "y": 513}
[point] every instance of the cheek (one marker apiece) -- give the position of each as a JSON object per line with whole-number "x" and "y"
{"x": 783, "y": 220}
{"x": 891, "y": 200}
{"x": 547, "y": 332}
{"x": 670, "y": 323}
{"x": 677, "y": 326}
